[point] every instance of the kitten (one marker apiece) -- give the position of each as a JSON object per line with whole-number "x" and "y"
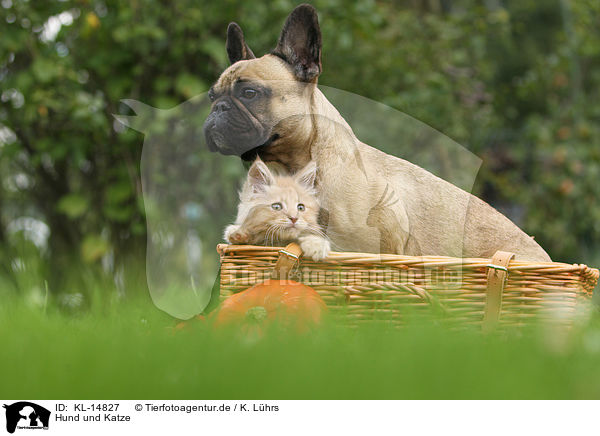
{"x": 277, "y": 208}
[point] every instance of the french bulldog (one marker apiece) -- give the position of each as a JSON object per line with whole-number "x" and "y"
{"x": 271, "y": 106}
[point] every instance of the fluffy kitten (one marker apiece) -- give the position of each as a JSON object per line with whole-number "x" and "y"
{"x": 277, "y": 208}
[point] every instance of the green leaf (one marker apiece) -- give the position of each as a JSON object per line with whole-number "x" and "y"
{"x": 119, "y": 192}
{"x": 93, "y": 248}
{"x": 118, "y": 213}
{"x": 189, "y": 85}
{"x": 44, "y": 70}
{"x": 73, "y": 205}
{"x": 214, "y": 47}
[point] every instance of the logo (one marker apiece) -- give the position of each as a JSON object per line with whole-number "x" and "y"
{"x": 26, "y": 415}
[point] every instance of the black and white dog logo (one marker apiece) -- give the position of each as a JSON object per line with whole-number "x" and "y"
{"x": 26, "y": 415}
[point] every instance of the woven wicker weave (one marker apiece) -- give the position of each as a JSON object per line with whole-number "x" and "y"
{"x": 362, "y": 287}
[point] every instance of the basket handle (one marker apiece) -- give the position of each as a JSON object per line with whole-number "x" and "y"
{"x": 288, "y": 258}
{"x": 496, "y": 279}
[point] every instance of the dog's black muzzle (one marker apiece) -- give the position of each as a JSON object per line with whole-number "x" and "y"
{"x": 230, "y": 129}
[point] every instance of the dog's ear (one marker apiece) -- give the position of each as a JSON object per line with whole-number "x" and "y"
{"x": 307, "y": 175}
{"x": 237, "y": 49}
{"x": 259, "y": 176}
{"x": 300, "y": 43}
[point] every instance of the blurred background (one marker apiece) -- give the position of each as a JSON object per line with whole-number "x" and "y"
{"x": 516, "y": 82}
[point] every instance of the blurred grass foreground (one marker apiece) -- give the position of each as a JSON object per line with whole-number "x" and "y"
{"x": 131, "y": 351}
{"x": 517, "y": 83}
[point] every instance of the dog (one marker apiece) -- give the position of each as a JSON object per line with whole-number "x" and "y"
{"x": 271, "y": 106}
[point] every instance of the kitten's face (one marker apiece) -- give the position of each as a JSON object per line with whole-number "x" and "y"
{"x": 280, "y": 207}
{"x": 287, "y": 208}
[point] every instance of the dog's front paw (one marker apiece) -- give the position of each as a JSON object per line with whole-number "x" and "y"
{"x": 315, "y": 247}
{"x": 235, "y": 235}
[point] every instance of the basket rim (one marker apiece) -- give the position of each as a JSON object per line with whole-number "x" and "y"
{"x": 347, "y": 257}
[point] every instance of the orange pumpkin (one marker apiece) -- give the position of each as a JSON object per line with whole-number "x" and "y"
{"x": 285, "y": 302}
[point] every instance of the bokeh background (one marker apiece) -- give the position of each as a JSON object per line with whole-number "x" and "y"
{"x": 516, "y": 82}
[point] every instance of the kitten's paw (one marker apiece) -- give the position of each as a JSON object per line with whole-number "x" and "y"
{"x": 315, "y": 247}
{"x": 229, "y": 230}
{"x": 239, "y": 237}
{"x": 235, "y": 235}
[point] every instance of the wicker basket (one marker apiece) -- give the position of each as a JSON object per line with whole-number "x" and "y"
{"x": 361, "y": 287}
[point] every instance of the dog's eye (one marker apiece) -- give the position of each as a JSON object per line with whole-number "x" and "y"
{"x": 276, "y": 206}
{"x": 301, "y": 207}
{"x": 249, "y": 93}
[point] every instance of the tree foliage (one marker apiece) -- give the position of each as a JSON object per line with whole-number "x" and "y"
{"x": 516, "y": 82}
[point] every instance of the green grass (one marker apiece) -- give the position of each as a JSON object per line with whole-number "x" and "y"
{"x": 128, "y": 350}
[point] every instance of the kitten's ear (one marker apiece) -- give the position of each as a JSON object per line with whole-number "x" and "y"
{"x": 307, "y": 175}
{"x": 259, "y": 176}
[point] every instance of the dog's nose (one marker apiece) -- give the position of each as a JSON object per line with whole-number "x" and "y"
{"x": 293, "y": 219}
{"x": 222, "y": 106}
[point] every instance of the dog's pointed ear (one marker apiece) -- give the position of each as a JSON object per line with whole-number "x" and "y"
{"x": 237, "y": 49}
{"x": 300, "y": 43}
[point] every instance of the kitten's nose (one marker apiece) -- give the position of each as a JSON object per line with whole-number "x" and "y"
{"x": 293, "y": 219}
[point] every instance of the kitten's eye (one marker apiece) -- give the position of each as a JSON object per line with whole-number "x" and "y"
{"x": 249, "y": 93}
{"x": 276, "y": 206}
{"x": 301, "y": 207}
